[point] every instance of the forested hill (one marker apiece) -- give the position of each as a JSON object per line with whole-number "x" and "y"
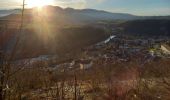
{"x": 147, "y": 27}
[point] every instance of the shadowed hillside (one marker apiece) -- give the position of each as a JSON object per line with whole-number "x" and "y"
{"x": 147, "y": 27}
{"x": 60, "y": 41}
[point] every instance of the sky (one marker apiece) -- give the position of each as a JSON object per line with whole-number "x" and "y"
{"x": 136, "y": 7}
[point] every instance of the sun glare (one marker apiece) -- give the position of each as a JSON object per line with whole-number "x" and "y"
{"x": 38, "y": 3}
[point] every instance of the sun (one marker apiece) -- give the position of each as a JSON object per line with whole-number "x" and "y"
{"x": 38, "y": 3}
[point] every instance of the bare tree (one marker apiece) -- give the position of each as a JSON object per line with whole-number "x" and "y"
{"x": 5, "y": 61}
{"x": 75, "y": 86}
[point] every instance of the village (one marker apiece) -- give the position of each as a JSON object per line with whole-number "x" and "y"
{"x": 117, "y": 49}
{"x": 114, "y": 50}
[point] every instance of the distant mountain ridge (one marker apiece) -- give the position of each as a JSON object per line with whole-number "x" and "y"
{"x": 83, "y": 15}
{"x": 8, "y": 12}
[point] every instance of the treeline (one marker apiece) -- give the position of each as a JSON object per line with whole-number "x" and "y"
{"x": 147, "y": 27}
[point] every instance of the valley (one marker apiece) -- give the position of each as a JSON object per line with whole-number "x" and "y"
{"x": 84, "y": 54}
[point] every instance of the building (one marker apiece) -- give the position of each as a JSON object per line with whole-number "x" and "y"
{"x": 166, "y": 49}
{"x": 85, "y": 64}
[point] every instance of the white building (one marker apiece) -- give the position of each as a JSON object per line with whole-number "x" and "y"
{"x": 166, "y": 49}
{"x": 86, "y": 64}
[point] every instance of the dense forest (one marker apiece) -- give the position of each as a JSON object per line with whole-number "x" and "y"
{"x": 147, "y": 27}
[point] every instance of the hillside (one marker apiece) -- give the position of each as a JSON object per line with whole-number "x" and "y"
{"x": 147, "y": 27}
{"x": 59, "y": 41}
{"x": 53, "y": 30}
{"x": 78, "y": 15}
{"x": 8, "y": 12}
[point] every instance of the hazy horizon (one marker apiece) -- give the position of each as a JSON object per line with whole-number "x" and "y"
{"x": 142, "y": 7}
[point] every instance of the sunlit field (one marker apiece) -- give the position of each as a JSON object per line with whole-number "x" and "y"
{"x": 84, "y": 50}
